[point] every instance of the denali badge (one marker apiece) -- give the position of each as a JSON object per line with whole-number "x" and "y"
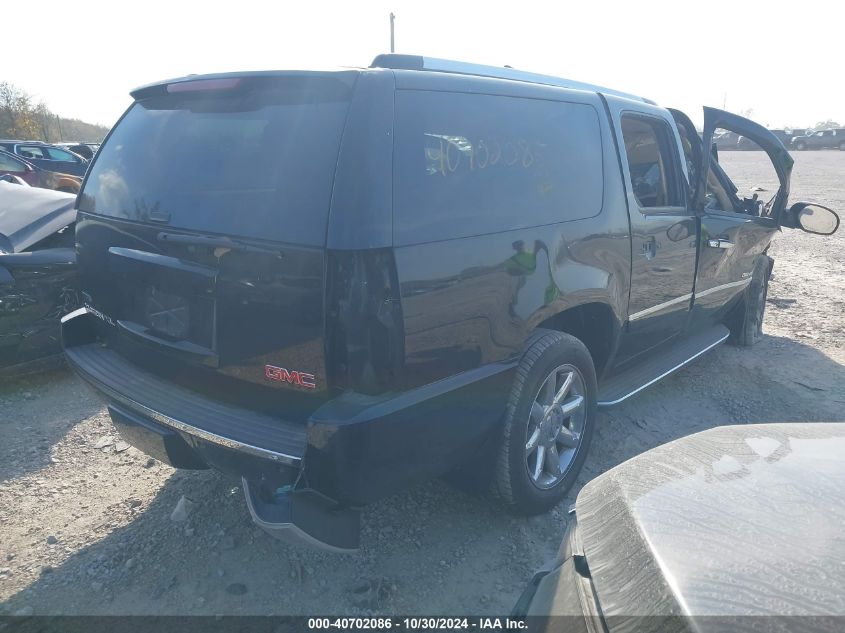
{"x": 298, "y": 378}
{"x": 103, "y": 317}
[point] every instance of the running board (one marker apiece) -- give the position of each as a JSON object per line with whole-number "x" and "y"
{"x": 305, "y": 517}
{"x": 625, "y": 384}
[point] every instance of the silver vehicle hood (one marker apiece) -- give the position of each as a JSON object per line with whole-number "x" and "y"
{"x": 737, "y": 520}
{"x": 29, "y": 214}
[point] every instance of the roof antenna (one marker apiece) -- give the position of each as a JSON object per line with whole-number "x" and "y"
{"x": 392, "y": 46}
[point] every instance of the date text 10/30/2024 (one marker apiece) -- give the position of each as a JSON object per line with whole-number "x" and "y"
{"x": 418, "y": 624}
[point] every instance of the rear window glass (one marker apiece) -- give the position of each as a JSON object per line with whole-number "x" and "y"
{"x": 256, "y": 161}
{"x": 470, "y": 164}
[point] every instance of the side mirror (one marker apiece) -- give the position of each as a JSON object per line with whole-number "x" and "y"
{"x": 813, "y": 218}
{"x": 679, "y": 231}
{"x": 714, "y": 151}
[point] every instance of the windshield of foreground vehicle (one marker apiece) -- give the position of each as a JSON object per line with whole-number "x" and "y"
{"x": 256, "y": 161}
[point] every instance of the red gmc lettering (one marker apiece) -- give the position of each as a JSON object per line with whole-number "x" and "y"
{"x": 298, "y": 378}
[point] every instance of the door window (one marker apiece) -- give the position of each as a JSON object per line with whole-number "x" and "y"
{"x": 717, "y": 196}
{"x": 652, "y": 162}
{"x": 31, "y": 151}
{"x": 60, "y": 154}
{"x": 7, "y": 163}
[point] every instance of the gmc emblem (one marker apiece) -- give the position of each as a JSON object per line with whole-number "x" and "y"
{"x": 297, "y": 378}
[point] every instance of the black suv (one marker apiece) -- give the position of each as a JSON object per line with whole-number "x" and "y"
{"x": 334, "y": 284}
{"x": 823, "y": 139}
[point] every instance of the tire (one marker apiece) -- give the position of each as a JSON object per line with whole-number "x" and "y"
{"x": 842, "y": 146}
{"x": 746, "y": 322}
{"x": 552, "y": 357}
{"x": 800, "y": 146}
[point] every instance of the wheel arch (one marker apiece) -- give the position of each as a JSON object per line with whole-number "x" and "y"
{"x": 594, "y": 324}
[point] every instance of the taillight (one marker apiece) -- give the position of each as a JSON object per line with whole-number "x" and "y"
{"x": 364, "y": 328}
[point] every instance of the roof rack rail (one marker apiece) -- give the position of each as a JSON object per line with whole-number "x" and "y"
{"x": 433, "y": 64}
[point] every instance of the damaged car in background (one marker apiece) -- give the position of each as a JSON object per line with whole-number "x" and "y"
{"x": 37, "y": 275}
{"x": 19, "y": 170}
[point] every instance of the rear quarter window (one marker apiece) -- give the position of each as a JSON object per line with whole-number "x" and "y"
{"x": 470, "y": 164}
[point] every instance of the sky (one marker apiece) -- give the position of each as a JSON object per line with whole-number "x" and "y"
{"x": 776, "y": 59}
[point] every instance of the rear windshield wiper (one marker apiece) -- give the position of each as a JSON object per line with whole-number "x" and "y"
{"x": 224, "y": 242}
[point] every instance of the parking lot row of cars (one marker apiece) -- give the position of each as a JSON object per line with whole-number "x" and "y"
{"x": 38, "y": 164}
{"x": 798, "y": 139}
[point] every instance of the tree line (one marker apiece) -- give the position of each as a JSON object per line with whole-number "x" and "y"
{"x": 21, "y": 117}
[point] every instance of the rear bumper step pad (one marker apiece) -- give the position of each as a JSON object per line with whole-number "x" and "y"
{"x": 305, "y": 518}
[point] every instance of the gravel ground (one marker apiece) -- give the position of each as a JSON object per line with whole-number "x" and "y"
{"x": 85, "y": 520}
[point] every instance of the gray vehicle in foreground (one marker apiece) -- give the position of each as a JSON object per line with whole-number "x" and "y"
{"x": 735, "y": 528}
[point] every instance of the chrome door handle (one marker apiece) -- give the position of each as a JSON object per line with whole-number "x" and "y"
{"x": 720, "y": 243}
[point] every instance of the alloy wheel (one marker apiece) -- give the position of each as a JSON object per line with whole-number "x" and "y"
{"x": 555, "y": 426}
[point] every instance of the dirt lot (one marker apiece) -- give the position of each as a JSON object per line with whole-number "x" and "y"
{"x": 85, "y": 523}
